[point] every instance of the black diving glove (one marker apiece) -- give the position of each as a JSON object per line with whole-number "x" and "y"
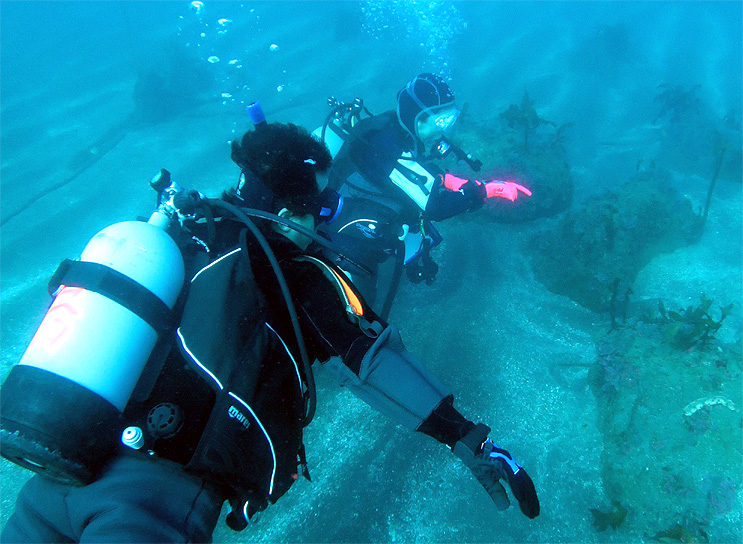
{"x": 476, "y": 193}
{"x": 490, "y": 464}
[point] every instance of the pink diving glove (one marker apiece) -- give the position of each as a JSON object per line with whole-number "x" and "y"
{"x": 453, "y": 183}
{"x": 506, "y": 189}
{"x": 502, "y": 189}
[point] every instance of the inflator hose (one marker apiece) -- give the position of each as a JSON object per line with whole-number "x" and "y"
{"x": 327, "y": 244}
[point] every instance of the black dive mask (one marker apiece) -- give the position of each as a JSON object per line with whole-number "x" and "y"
{"x": 253, "y": 193}
{"x": 330, "y": 206}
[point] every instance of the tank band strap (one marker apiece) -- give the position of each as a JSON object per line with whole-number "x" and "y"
{"x": 117, "y": 287}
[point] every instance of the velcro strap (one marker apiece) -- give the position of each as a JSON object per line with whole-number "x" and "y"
{"x": 467, "y": 447}
{"x": 117, "y": 287}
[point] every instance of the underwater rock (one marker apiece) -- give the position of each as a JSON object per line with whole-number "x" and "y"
{"x": 175, "y": 83}
{"x": 677, "y": 101}
{"x": 679, "y": 533}
{"x": 694, "y": 134}
{"x": 538, "y": 165}
{"x": 596, "y": 251}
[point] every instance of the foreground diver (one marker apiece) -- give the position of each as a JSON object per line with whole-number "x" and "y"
{"x": 221, "y": 417}
{"x": 393, "y": 191}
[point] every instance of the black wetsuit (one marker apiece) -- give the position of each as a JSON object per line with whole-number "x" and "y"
{"x": 141, "y": 498}
{"x": 377, "y": 210}
{"x": 372, "y": 151}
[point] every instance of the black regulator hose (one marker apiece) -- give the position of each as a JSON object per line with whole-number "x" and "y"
{"x": 327, "y": 244}
{"x": 242, "y": 216}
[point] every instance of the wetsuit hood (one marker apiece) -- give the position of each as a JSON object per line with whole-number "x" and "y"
{"x": 426, "y": 94}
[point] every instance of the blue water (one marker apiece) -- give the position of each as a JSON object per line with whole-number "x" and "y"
{"x": 97, "y": 96}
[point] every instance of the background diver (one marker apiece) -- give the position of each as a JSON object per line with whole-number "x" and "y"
{"x": 392, "y": 190}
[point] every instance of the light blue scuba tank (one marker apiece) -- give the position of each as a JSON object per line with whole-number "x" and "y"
{"x": 61, "y": 405}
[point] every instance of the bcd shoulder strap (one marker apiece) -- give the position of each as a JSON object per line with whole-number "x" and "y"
{"x": 254, "y": 433}
{"x": 223, "y": 311}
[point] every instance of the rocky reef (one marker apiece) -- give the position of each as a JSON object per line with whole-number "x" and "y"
{"x": 593, "y": 253}
{"x": 520, "y": 146}
{"x": 692, "y": 135}
{"x": 680, "y": 408}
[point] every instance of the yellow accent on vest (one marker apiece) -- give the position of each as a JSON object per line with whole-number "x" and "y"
{"x": 351, "y": 301}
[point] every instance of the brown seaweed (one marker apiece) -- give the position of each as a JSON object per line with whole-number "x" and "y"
{"x": 678, "y": 533}
{"x": 613, "y": 518}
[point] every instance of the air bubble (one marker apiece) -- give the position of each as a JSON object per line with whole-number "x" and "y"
{"x": 197, "y": 7}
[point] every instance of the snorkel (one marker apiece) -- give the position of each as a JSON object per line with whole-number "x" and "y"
{"x": 255, "y": 112}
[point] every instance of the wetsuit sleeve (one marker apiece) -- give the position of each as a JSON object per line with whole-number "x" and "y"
{"x": 445, "y": 203}
{"x": 393, "y": 381}
{"x": 378, "y": 369}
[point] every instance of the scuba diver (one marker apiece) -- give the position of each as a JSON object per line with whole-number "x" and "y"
{"x": 392, "y": 191}
{"x": 144, "y": 405}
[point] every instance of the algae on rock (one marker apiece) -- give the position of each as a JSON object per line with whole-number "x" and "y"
{"x": 599, "y": 248}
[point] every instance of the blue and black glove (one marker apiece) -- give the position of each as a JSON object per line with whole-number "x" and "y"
{"x": 490, "y": 464}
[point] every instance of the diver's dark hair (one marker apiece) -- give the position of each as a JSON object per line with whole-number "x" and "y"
{"x": 285, "y": 158}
